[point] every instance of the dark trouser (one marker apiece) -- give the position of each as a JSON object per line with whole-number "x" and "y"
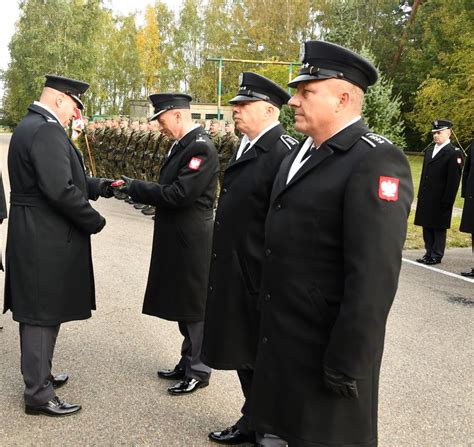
{"x": 245, "y": 377}
{"x": 191, "y": 351}
{"x": 435, "y": 242}
{"x": 37, "y": 348}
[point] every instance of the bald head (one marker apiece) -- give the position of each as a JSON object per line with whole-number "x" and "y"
{"x": 60, "y": 103}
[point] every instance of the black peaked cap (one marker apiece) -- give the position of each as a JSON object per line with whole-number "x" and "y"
{"x": 163, "y": 102}
{"x": 441, "y": 125}
{"x": 325, "y": 60}
{"x": 71, "y": 87}
{"x": 255, "y": 87}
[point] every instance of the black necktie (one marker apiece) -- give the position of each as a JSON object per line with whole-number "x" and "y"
{"x": 172, "y": 149}
{"x": 308, "y": 153}
{"x": 245, "y": 149}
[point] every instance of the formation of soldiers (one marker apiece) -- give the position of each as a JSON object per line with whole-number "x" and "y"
{"x": 138, "y": 149}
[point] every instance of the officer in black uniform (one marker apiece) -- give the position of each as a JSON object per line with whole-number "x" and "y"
{"x": 49, "y": 278}
{"x": 439, "y": 183}
{"x": 467, "y": 191}
{"x": 334, "y": 236}
{"x": 231, "y": 326}
{"x": 179, "y": 270}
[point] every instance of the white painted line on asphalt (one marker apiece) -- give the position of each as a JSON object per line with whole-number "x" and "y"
{"x": 453, "y": 275}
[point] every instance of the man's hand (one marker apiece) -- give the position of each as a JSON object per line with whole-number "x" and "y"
{"x": 122, "y": 185}
{"x": 340, "y": 384}
{"x": 105, "y": 190}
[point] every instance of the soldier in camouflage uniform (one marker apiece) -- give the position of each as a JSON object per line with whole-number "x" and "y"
{"x": 215, "y": 134}
{"x": 162, "y": 146}
{"x": 229, "y": 144}
{"x": 89, "y": 133}
{"x": 129, "y": 155}
{"x": 96, "y": 150}
{"x": 122, "y": 143}
{"x": 142, "y": 152}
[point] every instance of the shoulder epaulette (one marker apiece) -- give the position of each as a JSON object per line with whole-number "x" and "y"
{"x": 289, "y": 141}
{"x": 48, "y": 119}
{"x": 200, "y": 139}
{"x": 374, "y": 139}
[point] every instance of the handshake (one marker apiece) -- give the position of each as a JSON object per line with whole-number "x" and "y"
{"x": 108, "y": 188}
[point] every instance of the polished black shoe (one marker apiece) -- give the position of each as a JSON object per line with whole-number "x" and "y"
{"x": 422, "y": 259}
{"x": 231, "y": 436}
{"x": 59, "y": 380}
{"x": 433, "y": 261}
{"x": 55, "y": 407}
{"x": 150, "y": 211}
{"x": 468, "y": 274}
{"x": 186, "y": 386}
{"x": 139, "y": 206}
{"x": 174, "y": 374}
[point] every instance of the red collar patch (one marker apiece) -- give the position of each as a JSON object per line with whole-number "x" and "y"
{"x": 194, "y": 163}
{"x": 388, "y": 188}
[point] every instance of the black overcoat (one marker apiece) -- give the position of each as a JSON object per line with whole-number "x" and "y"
{"x": 49, "y": 277}
{"x": 439, "y": 183}
{"x": 334, "y": 238}
{"x": 3, "y": 203}
{"x": 231, "y": 324}
{"x": 467, "y": 191}
{"x": 182, "y": 239}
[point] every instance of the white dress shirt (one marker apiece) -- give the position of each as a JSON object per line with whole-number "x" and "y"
{"x": 438, "y": 147}
{"x": 298, "y": 161}
{"x": 246, "y": 140}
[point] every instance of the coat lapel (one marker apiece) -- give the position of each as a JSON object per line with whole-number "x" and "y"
{"x": 438, "y": 156}
{"x": 37, "y": 109}
{"x": 340, "y": 142}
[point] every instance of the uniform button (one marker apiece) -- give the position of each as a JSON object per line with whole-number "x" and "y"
{"x": 268, "y": 252}
{"x": 211, "y": 288}
{"x": 214, "y": 255}
{"x": 218, "y": 224}
{"x": 224, "y": 190}
{"x": 278, "y": 207}
{"x": 265, "y": 340}
{"x": 267, "y": 297}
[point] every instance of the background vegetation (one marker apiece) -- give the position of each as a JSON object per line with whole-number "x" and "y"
{"x": 423, "y": 49}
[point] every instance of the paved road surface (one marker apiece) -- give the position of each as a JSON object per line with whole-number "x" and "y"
{"x": 426, "y": 383}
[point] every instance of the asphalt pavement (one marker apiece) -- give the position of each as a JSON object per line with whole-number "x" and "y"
{"x": 112, "y": 359}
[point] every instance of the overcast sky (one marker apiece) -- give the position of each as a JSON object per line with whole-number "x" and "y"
{"x": 9, "y": 14}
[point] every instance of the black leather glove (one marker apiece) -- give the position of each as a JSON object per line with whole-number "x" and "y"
{"x": 126, "y": 186}
{"x": 340, "y": 384}
{"x": 105, "y": 190}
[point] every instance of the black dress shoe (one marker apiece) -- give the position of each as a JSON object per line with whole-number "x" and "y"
{"x": 150, "y": 211}
{"x": 231, "y": 436}
{"x": 55, "y": 407}
{"x": 60, "y": 380}
{"x": 468, "y": 274}
{"x": 186, "y": 386}
{"x": 139, "y": 206}
{"x": 422, "y": 259}
{"x": 432, "y": 261}
{"x": 174, "y": 374}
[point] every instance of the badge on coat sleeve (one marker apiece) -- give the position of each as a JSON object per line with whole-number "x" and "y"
{"x": 194, "y": 163}
{"x": 388, "y": 188}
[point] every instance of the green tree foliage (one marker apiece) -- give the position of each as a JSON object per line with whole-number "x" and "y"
{"x": 83, "y": 39}
{"x": 437, "y": 61}
{"x": 382, "y": 109}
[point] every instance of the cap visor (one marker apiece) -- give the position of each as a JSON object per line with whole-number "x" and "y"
{"x": 156, "y": 115}
{"x": 79, "y": 103}
{"x": 244, "y": 98}
{"x": 305, "y": 77}
{"x": 442, "y": 128}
